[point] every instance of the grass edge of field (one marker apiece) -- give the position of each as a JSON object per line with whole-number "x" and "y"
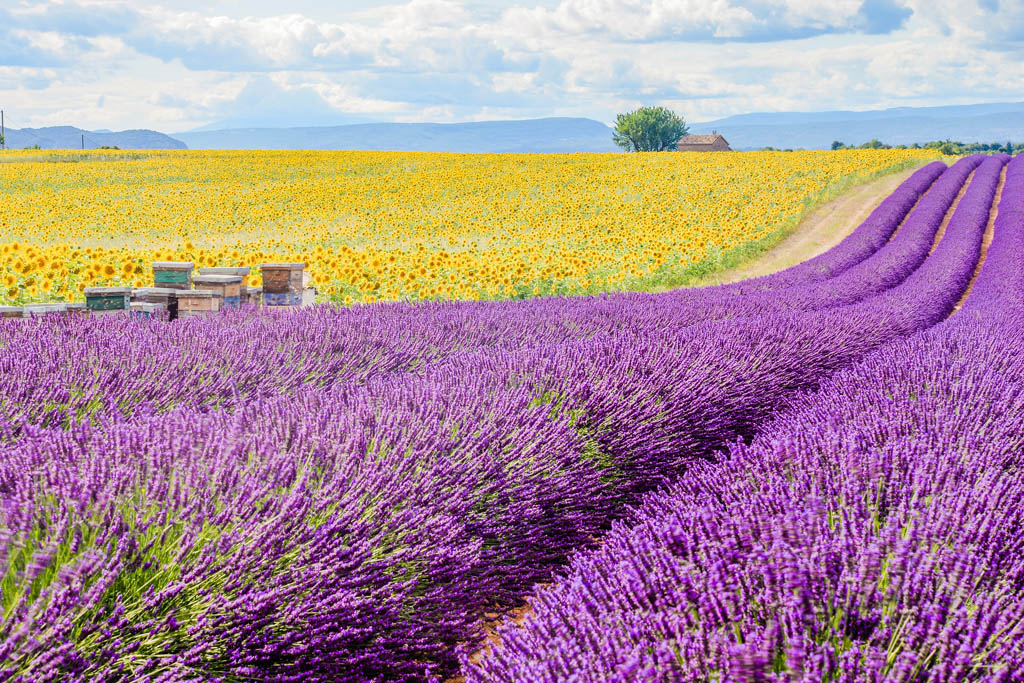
{"x": 709, "y": 270}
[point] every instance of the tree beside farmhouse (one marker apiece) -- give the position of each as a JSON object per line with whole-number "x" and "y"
{"x": 649, "y": 129}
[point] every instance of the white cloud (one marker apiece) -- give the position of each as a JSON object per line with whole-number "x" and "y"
{"x": 447, "y": 60}
{"x": 639, "y": 20}
{"x": 998, "y": 24}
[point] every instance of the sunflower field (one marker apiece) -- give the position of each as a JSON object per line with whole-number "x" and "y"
{"x": 375, "y": 226}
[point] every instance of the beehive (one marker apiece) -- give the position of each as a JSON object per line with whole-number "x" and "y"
{"x": 173, "y": 274}
{"x": 251, "y": 295}
{"x": 40, "y": 310}
{"x": 108, "y": 298}
{"x": 197, "y": 301}
{"x": 228, "y": 287}
{"x": 77, "y": 308}
{"x": 282, "y": 278}
{"x": 11, "y": 312}
{"x": 241, "y": 271}
{"x": 146, "y": 310}
{"x": 282, "y": 299}
{"x": 158, "y": 295}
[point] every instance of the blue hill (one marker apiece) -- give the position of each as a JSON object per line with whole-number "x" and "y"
{"x": 69, "y": 137}
{"x": 551, "y": 135}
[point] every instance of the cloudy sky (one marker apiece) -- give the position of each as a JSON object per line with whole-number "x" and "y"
{"x": 176, "y": 66}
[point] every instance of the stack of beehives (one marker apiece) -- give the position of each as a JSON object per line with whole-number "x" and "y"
{"x": 148, "y": 301}
{"x": 285, "y": 284}
{"x": 240, "y": 277}
{"x": 226, "y": 283}
{"x": 170, "y": 279}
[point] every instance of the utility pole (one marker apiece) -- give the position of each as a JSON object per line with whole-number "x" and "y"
{"x": 3, "y": 132}
{"x": 83, "y": 140}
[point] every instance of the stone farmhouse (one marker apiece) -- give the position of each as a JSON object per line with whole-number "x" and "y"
{"x": 703, "y": 143}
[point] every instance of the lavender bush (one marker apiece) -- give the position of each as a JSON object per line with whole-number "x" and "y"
{"x": 59, "y": 373}
{"x": 872, "y": 532}
{"x": 358, "y": 531}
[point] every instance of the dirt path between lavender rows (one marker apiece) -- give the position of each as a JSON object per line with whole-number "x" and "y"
{"x": 819, "y": 231}
{"x": 986, "y": 241}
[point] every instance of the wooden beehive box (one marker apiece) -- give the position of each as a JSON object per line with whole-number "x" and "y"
{"x": 108, "y": 298}
{"x": 158, "y": 295}
{"x": 282, "y": 298}
{"x": 11, "y": 312}
{"x": 228, "y": 287}
{"x": 241, "y": 271}
{"x": 173, "y": 274}
{"x": 146, "y": 310}
{"x": 40, "y": 310}
{"x": 282, "y": 278}
{"x": 252, "y": 295}
{"x": 78, "y": 308}
{"x": 200, "y": 301}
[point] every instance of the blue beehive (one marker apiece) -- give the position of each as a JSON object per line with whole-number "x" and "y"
{"x": 282, "y": 298}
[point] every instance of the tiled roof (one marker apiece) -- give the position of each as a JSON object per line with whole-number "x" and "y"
{"x": 699, "y": 139}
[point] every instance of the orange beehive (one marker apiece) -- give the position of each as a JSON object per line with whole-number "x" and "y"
{"x": 199, "y": 301}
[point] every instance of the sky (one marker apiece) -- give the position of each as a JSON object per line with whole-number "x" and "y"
{"x": 178, "y": 66}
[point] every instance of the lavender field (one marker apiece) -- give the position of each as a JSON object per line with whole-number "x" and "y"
{"x": 813, "y": 475}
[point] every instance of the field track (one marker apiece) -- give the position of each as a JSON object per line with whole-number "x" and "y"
{"x": 819, "y": 231}
{"x": 986, "y": 241}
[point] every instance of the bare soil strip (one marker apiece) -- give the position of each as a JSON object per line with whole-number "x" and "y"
{"x": 493, "y": 621}
{"x": 949, "y": 214}
{"x": 822, "y": 229}
{"x": 986, "y": 241}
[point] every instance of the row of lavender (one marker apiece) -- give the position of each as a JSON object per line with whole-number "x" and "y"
{"x": 57, "y": 376}
{"x": 359, "y": 532}
{"x": 872, "y": 533}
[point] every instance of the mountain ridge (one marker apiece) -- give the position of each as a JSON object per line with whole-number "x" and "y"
{"x": 546, "y": 135}
{"x": 987, "y": 122}
{"x": 70, "y": 137}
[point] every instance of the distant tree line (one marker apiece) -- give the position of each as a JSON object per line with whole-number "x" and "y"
{"x": 949, "y": 147}
{"x": 36, "y": 146}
